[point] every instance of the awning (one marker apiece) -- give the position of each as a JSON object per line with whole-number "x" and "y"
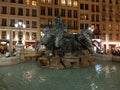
{"x": 3, "y": 42}
{"x": 113, "y": 45}
{"x": 30, "y": 42}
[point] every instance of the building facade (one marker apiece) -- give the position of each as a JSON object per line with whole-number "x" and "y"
{"x": 14, "y": 11}
{"x": 77, "y": 16}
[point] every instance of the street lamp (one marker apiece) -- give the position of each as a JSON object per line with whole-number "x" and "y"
{"x": 20, "y": 25}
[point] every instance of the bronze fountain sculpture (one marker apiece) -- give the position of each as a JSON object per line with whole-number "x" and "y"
{"x": 65, "y": 48}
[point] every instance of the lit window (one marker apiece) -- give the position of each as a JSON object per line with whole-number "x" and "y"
{"x": 63, "y": 2}
{"x": 27, "y": 2}
{"x": 84, "y": 16}
{"x": 43, "y": 1}
{"x": 69, "y": 2}
{"x": 34, "y": 2}
{"x": 75, "y": 3}
{"x": 49, "y": 1}
{"x": 110, "y": 26}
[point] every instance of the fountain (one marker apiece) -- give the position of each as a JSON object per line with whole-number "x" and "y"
{"x": 65, "y": 50}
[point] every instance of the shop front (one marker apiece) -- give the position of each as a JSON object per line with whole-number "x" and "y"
{"x": 29, "y": 43}
{"x": 3, "y": 46}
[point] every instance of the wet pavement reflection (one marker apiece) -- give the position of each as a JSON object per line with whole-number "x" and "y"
{"x": 104, "y": 75}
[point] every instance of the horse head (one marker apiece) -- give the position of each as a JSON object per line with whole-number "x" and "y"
{"x": 47, "y": 37}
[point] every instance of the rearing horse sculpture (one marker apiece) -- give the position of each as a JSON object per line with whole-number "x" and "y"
{"x": 57, "y": 38}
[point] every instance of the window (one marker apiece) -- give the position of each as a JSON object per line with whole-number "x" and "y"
{"x": 117, "y": 36}
{"x": 82, "y": 16}
{"x": 43, "y": 1}
{"x": 97, "y": 18}
{"x": 75, "y": 25}
{"x": 56, "y": 11}
{"x": 75, "y": 3}
{"x": 42, "y": 10}
{"x": 110, "y": 26}
{"x": 28, "y": 2}
{"x": 103, "y": 8}
{"x": 82, "y": 26}
{"x": 86, "y": 26}
{"x": 86, "y": 17}
{"x": 69, "y": 13}
{"x": 116, "y": 1}
{"x": 103, "y": 17}
{"x": 98, "y": 27}
{"x": 81, "y": 6}
{"x": 110, "y": 36}
{"x": 20, "y": 20}
{"x": 27, "y": 12}
{"x": 13, "y": 34}
{"x": 34, "y": 24}
{"x": 34, "y": 2}
{"x": 12, "y": 10}
{"x": 4, "y": 22}
{"x": 50, "y": 1}
{"x": 86, "y": 7}
{"x": 97, "y": 0}
{"x": 20, "y": 11}
{"x": 110, "y": 1}
{"x": 117, "y": 27}
{"x": 110, "y": 18}
{"x": 104, "y": 1}
{"x": 27, "y": 24}
{"x": 12, "y": 1}
{"x": 97, "y": 8}
{"x": 42, "y": 22}
{"x": 69, "y": 24}
{"x": 93, "y": 8}
{"x": 27, "y": 35}
{"x": 75, "y": 14}
{"x": 104, "y": 36}
{"x": 110, "y": 9}
{"x": 20, "y": 1}
{"x": 93, "y": 18}
{"x": 12, "y": 22}
{"x": 69, "y": 2}
{"x": 20, "y": 35}
{"x": 4, "y": 35}
{"x": 63, "y": 2}
{"x": 34, "y": 35}
{"x": 104, "y": 27}
{"x": 4, "y": 0}
{"x": 49, "y": 11}
{"x": 56, "y": 2}
{"x": 34, "y": 13}
{"x": 63, "y": 14}
{"x": 4, "y": 10}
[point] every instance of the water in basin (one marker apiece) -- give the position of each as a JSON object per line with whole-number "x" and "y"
{"x": 105, "y": 75}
